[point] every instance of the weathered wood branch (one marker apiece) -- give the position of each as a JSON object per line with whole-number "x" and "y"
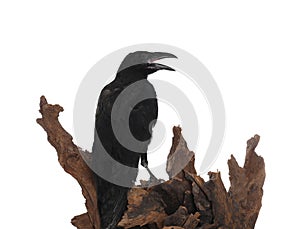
{"x": 72, "y": 162}
{"x": 185, "y": 201}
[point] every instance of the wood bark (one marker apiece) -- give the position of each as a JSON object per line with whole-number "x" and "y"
{"x": 184, "y": 201}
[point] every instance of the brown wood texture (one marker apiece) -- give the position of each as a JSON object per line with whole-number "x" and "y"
{"x": 184, "y": 201}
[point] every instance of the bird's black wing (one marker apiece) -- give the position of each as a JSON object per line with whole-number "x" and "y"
{"x": 112, "y": 198}
{"x": 142, "y": 119}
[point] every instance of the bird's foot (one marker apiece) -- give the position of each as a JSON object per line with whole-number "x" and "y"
{"x": 153, "y": 178}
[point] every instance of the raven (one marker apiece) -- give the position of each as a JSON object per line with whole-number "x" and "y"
{"x": 111, "y": 121}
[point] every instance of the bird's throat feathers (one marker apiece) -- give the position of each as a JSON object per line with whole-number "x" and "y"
{"x": 130, "y": 75}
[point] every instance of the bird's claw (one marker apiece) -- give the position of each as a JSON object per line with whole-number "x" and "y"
{"x": 153, "y": 178}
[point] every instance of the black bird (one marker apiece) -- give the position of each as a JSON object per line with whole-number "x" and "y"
{"x": 115, "y": 157}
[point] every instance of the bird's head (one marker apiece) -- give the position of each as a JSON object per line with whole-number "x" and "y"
{"x": 140, "y": 64}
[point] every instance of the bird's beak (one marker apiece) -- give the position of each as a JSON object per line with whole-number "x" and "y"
{"x": 158, "y": 56}
{"x": 154, "y": 56}
{"x": 158, "y": 66}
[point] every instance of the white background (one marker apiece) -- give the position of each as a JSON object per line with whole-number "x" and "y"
{"x": 251, "y": 48}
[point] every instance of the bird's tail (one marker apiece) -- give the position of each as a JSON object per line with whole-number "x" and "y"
{"x": 112, "y": 198}
{"x": 112, "y": 202}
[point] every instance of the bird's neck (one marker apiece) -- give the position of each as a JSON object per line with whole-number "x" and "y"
{"x": 127, "y": 79}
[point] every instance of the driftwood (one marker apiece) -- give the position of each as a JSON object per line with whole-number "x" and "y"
{"x": 185, "y": 201}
